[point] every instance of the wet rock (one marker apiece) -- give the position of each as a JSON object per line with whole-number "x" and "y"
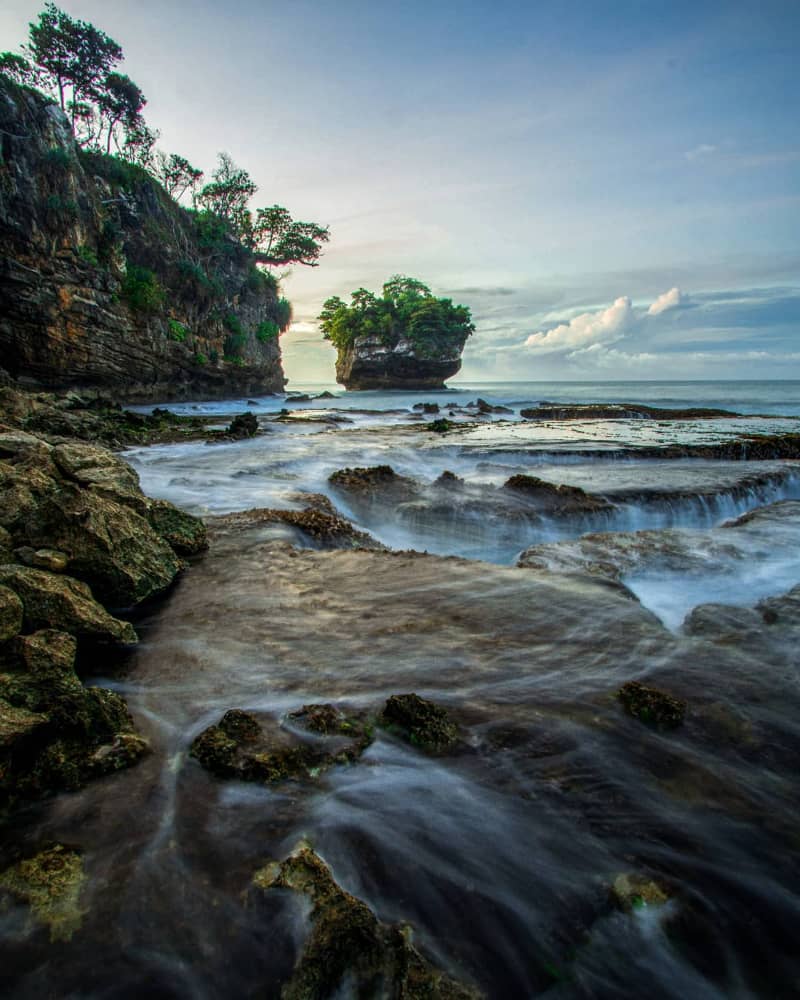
{"x": 441, "y": 426}
{"x": 57, "y": 601}
{"x": 560, "y": 500}
{"x": 50, "y": 559}
{"x": 81, "y": 733}
{"x": 348, "y": 951}
{"x": 723, "y": 623}
{"x": 325, "y": 395}
{"x": 11, "y": 612}
{"x": 239, "y": 747}
{"x": 631, "y": 891}
{"x": 301, "y": 397}
{"x": 90, "y": 465}
{"x": 243, "y": 425}
{"x": 184, "y": 533}
{"x": 372, "y": 480}
{"x": 620, "y": 411}
{"x": 483, "y": 407}
{"x": 652, "y": 706}
{"x": 449, "y": 481}
{"x": 17, "y": 724}
{"x": 50, "y": 884}
{"x": 419, "y": 721}
{"x": 426, "y": 407}
{"x": 320, "y": 522}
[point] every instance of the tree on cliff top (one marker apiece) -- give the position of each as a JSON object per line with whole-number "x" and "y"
{"x": 407, "y": 309}
{"x": 273, "y": 236}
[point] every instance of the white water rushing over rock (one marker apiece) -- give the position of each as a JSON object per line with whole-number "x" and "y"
{"x": 503, "y": 851}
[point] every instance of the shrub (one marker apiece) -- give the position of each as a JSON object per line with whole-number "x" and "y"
{"x": 267, "y": 330}
{"x": 200, "y": 359}
{"x": 141, "y": 289}
{"x": 61, "y": 209}
{"x": 87, "y": 254}
{"x": 177, "y": 331}
{"x": 236, "y": 339}
{"x": 284, "y": 313}
{"x": 57, "y": 157}
{"x": 115, "y": 170}
{"x": 261, "y": 281}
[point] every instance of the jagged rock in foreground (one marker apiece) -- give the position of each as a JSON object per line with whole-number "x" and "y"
{"x": 77, "y": 538}
{"x": 348, "y": 948}
{"x": 107, "y": 283}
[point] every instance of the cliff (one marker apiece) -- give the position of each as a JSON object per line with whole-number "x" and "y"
{"x": 106, "y": 283}
{"x": 372, "y": 363}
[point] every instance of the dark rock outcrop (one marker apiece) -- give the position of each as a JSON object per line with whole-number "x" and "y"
{"x": 348, "y": 951}
{"x": 419, "y": 721}
{"x": 618, "y": 411}
{"x": 107, "y": 283}
{"x": 371, "y": 363}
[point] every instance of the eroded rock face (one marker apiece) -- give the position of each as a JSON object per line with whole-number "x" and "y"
{"x": 371, "y": 364}
{"x": 80, "y": 234}
{"x": 348, "y": 950}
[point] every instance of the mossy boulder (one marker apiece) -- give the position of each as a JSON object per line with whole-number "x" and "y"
{"x": 49, "y": 884}
{"x": 52, "y": 600}
{"x": 11, "y": 611}
{"x": 60, "y": 733}
{"x": 419, "y": 721}
{"x": 348, "y": 951}
{"x": 184, "y": 533}
{"x": 238, "y": 746}
{"x": 652, "y": 706}
{"x": 376, "y": 480}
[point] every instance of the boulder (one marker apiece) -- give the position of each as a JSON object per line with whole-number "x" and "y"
{"x": 419, "y": 721}
{"x": 11, "y": 612}
{"x": 348, "y": 951}
{"x": 60, "y": 602}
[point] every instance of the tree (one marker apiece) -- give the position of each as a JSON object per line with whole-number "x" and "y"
{"x": 277, "y": 240}
{"x": 18, "y": 68}
{"x": 176, "y": 174}
{"x": 407, "y": 309}
{"x": 72, "y": 57}
{"x": 119, "y": 101}
{"x": 228, "y": 194}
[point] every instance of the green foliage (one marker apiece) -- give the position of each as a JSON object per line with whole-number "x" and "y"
{"x": 284, "y": 313}
{"x": 278, "y": 240}
{"x": 87, "y": 254}
{"x": 200, "y": 359}
{"x": 214, "y": 235}
{"x": 267, "y": 331}
{"x": 177, "y": 331}
{"x": 406, "y": 309}
{"x": 204, "y": 283}
{"x": 236, "y": 339}
{"x": 213, "y": 356}
{"x": 141, "y": 289}
{"x": 176, "y": 174}
{"x": 58, "y": 158}
{"x": 261, "y": 281}
{"x": 226, "y": 197}
{"x": 118, "y": 172}
{"x": 64, "y": 210}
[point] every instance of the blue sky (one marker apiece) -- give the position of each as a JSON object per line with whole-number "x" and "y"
{"x": 560, "y": 167}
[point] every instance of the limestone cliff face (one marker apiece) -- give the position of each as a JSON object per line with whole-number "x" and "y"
{"x": 106, "y": 283}
{"x": 370, "y": 363}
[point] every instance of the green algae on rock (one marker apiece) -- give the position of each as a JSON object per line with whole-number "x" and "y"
{"x": 52, "y": 600}
{"x": 347, "y": 947}
{"x": 59, "y": 733}
{"x": 420, "y": 721}
{"x": 50, "y": 884}
{"x": 652, "y": 706}
{"x": 631, "y": 891}
{"x": 239, "y": 747}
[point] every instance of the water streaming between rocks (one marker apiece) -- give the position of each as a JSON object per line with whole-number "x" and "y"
{"x": 502, "y": 852}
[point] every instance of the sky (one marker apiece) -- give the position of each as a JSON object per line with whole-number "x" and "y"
{"x": 613, "y": 188}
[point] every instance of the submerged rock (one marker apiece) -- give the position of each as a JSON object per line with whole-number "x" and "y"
{"x": 239, "y": 747}
{"x": 348, "y": 951}
{"x": 652, "y": 706}
{"x": 50, "y": 884}
{"x": 421, "y": 722}
{"x": 631, "y": 891}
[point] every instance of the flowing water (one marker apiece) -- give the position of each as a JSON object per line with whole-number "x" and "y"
{"x": 501, "y": 853}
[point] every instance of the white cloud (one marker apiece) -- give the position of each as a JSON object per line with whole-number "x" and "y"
{"x": 602, "y": 327}
{"x": 704, "y": 149}
{"x": 667, "y": 300}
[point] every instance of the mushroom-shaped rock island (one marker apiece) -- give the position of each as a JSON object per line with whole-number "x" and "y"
{"x": 404, "y": 339}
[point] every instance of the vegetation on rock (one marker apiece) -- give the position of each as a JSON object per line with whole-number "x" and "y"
{"x": 406, "y": 310}
{"x": 652, "y": 706}
{"x": 419, "y": 721}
